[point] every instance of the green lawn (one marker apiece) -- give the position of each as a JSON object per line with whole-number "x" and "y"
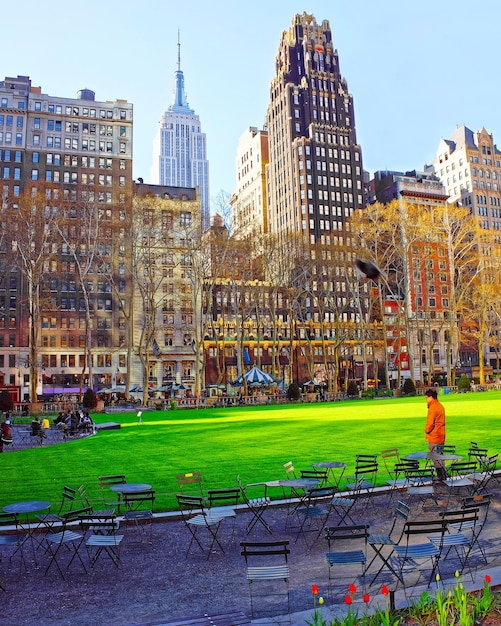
{"x": 254, "y": 442}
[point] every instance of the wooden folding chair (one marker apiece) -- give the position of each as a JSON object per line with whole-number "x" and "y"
{"x": 188, "y": 480}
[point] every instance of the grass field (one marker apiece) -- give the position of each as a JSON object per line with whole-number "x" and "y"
{"x": 254, "y": 442}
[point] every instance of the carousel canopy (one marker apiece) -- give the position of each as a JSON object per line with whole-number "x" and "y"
{"x": 256, "y": 376}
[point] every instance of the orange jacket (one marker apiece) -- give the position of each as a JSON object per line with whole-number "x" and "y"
{"x": 434, "y": 428}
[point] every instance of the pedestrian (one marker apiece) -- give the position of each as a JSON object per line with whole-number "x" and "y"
{"x": 5, "y": 433}
{"x": 435, "y": 429}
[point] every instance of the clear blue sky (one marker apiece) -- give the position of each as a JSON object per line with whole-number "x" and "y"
{"x": 415, "y": 69}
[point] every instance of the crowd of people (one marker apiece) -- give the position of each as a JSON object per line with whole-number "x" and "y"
{"x": 77, "y": 422}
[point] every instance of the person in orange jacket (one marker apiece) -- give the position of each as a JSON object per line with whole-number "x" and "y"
{"x": 434, "y": 428}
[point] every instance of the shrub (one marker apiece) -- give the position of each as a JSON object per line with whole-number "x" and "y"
{"x": 409, "y": 387}
{"x": 293, "y": 391}
{"x": 352, "y": 390}
{"x": 6, "y": 401}
{"x": 89, "y": 400}
{"x": 464, "y": 383}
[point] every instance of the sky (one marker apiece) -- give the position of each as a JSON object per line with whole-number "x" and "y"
{"x": 416, "y": 70}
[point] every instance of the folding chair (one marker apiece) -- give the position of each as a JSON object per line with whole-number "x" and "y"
{"x": 49, "y": 520}
{"x": 443, "y": 448}
{"x": 485, "y": 473}
{"x": 191, "y": 479}
{"x": 316, "y": 474}
{"x": 378, "y": 541}
{"x": 68, "y": 538}
{"x": 481, "y": 503}
{"x": 139, "y": 511}
{"x": 290, "y": 472}
{"x": 395, "y": 468}
{"x": 460, "y": 478}
{"x": 316, "y": 508}
{"x": 459, "y": 522}
{"x": 221, "y": 504}
{"x": 420, "y": 485}
{"x": 256, "y": 505}
{"x": 265, "y": 574}
{"x": 83, "y": 498}
{"x": 408, "y": 556}
{"x": 342, "y": 505}
{"x": 363, "y": 482}
{"x": 105, "y": 482}
{"x": 103, "y": 538}
{"x": 476, "y": 454}
{"x": 8, "y": 538}
{"x": 340, "y": 560}
{"x": 196, "y": 517}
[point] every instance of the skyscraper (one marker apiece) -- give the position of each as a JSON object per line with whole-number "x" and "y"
{"x": 180, "y": 147}
{"x": 315, "y": 177}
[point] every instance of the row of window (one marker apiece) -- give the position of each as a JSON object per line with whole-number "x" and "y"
{"x": 68, "y": 110}
{"x": 78, "y": 360}
{"x": 105, "y": 130}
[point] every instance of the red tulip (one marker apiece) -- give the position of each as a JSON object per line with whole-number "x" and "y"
{"x": 384, "y": 590}
{"x": 366, "y": 597}
{"x": 487, "y": 578}
{"x": 348, "y": 600}
{"x": 314, "y": 590}
{"x": 352, "y": 588}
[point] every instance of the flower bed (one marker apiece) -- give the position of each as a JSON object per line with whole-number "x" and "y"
{"x": 455, "y": 607}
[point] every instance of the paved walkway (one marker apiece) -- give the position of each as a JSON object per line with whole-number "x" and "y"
{"x": 158, "y": 583}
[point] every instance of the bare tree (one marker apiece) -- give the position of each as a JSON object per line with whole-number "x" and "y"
{"x": 83, "y": 243}
{"x": 31, "y": 224}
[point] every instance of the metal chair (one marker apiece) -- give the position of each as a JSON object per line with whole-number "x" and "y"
{"x": 103, "y": 538}
{"x": 420, "y": 485}
{"x": 68, "y": 538}
{"x": 379, "y": 541}
{"x": 49, "y": 520}
{"x": 409, "y": 556}
{"x": 321, "y": 475}
{"x": 196, "y": 518}
{"x": 256, "y": 505}
{"x": 481, "y": 503}
{"x": 485, "y": 473}
{"x": 316, "y": 507}
{"x": 139, "y": 511}
{"x": 339, "y": 560}
{"x": 105, "y": 482}
{"x": 11, "y": 536}
{"x": 458, "y": 523}
{"x": 363, "y": 481}
{"x": 221, "y": 504}
{"x": 267, "y": 564}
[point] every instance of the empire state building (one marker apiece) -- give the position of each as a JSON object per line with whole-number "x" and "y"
{"x": 180, "y": 147}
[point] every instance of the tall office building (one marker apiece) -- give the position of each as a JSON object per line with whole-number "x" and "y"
{"x": 78, "y": 151}
{"x": 315, "y": 177}
{"x": 180, "y": 147}
{"x": 469, "y": 166}
{"x": 248, "y": 201}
